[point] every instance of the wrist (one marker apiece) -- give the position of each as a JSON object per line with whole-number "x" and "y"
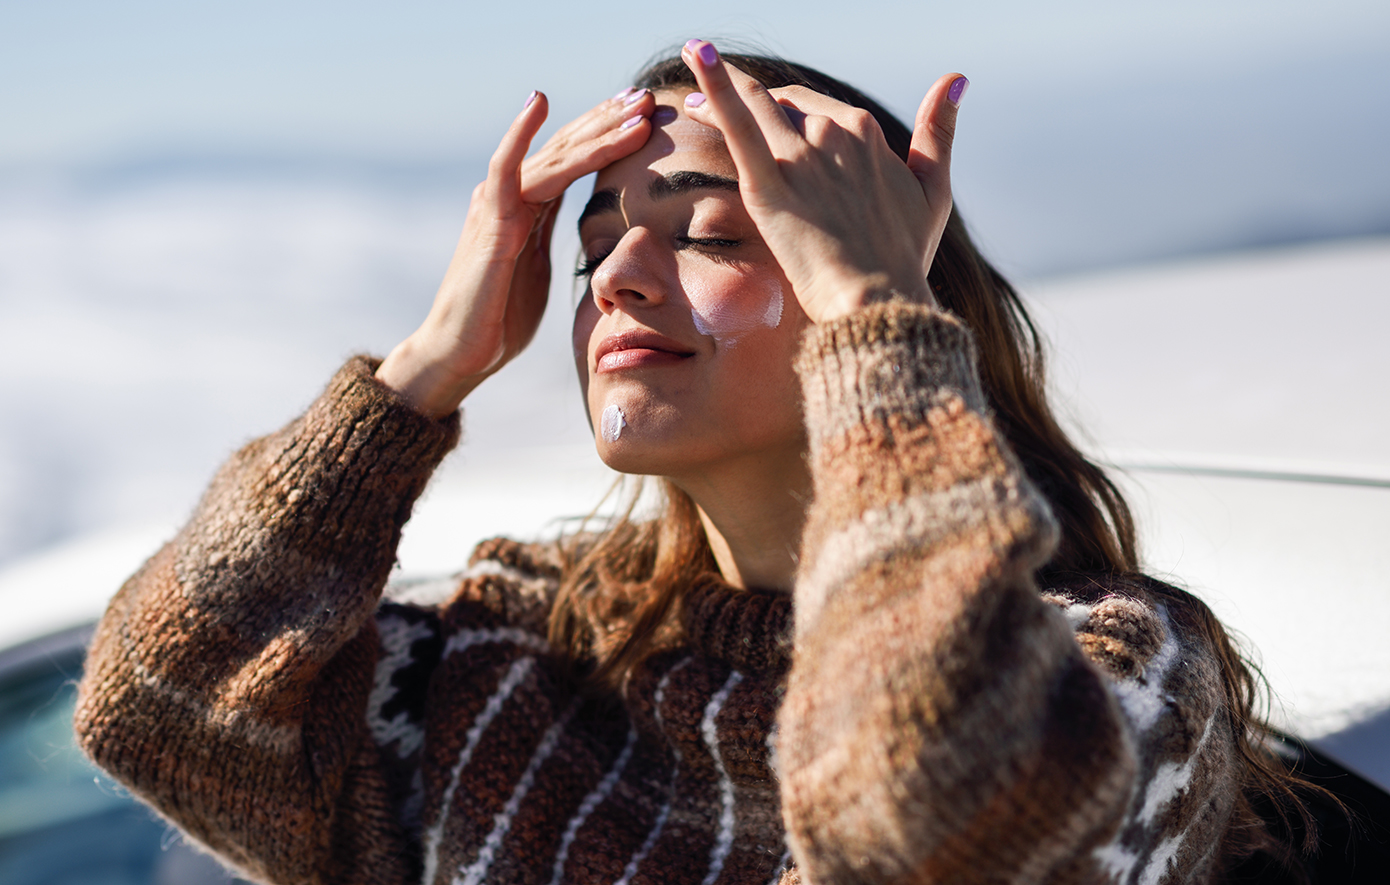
{"x": 846, "y": 296}
{"x": 423, "y": 381}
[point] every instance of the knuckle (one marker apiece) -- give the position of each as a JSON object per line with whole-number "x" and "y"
{"x": 750, "y": 88}
{"x": 818, "y": 128}
{"x": 944, "y": 132}
{"x": 861, "y": 122}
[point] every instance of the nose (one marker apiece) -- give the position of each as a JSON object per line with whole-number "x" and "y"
{"x": 631, "y": 276}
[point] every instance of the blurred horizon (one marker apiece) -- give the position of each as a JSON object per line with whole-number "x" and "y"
{"x": 1094, "y": 134}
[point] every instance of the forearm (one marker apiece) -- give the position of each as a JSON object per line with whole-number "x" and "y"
{"x": 218, "y": 677}
{"x": 941, "y": 723}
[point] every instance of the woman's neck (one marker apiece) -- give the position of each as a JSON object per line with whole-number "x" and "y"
{"x": 753, "y": 515}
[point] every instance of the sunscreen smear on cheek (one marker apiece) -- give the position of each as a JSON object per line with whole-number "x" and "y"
{"x": 728, "y": 317}
{"x": 611, "y": 423}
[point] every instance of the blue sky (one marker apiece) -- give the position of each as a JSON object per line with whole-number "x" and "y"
{"x": 86, "y": 80}
{"x": 1095, "y": 133}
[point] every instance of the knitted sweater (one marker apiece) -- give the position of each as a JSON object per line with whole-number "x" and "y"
{"x": 932, "y": 716}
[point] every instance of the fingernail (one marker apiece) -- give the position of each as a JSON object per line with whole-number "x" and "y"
{"x": 708, "y": 54}
{"x": 693, "y": 45}
{"x": 957, "y": 90}
{"x": 530, "y": 98}
{"x": 694, "y": 99}
{"x": 635, "y": 97}
{"x": 624, "y": 92}
{"x": 631, "y": 121}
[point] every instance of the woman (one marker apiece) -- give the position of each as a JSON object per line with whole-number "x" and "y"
{"x": 978, "y": 685}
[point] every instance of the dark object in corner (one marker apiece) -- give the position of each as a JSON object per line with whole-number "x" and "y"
{"x": 1352, "y": 850}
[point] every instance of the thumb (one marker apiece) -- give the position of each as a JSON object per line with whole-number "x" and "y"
{"x": 929, "y": 158}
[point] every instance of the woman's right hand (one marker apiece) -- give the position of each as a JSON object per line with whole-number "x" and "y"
{"x": 494, "y": 292}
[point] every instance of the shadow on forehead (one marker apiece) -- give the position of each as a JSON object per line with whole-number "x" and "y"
{"x": 668, "y": 123}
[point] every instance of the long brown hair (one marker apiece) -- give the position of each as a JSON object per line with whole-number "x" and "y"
{"x": 621, "y": 588}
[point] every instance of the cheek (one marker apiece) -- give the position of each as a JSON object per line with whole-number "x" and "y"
{"x": 728, "y": 305}
{"x": 585, "y": 319}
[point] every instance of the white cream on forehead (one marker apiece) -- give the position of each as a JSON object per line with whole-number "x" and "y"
{"x": 727, "y": 319}
{"x": 611, "y": 423}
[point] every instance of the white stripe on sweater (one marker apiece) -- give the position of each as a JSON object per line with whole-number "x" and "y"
{"x": 515, "y": 674}
{"x": 398, "y": 635}
{"x": 1171, "y": 778}
{"x": 528, "y": 581}
{"x": 591, "y": 802}
{"x": 1116, "y": 861}
{"x": 471, "y": 636}
{"x": 1161, "y": 859}
{"x": 724, "y": 843}
{"x": 1144, "y": 698}
{"x": 474, "y": 873}
{"x": 239, "y": 724}
{"x": 910, "y": 524}
{"x": 647, "y": 844}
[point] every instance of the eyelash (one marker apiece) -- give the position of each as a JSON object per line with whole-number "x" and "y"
{"x": 586, "y": 270}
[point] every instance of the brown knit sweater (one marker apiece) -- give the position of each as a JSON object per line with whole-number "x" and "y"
{"x": 933, "y": 717}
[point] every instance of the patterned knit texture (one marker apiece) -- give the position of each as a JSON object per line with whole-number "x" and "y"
{"x": 933, "y": 716}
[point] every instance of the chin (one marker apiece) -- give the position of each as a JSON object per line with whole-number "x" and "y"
{"x": 630, "y": 457}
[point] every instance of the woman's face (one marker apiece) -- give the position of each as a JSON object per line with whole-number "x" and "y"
{"x": 685, "y": 339}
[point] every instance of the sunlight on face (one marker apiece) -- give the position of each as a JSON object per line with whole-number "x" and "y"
{"x": 685, "y": 339}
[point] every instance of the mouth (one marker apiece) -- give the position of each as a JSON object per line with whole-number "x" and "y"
{"x": 638, "y": 349}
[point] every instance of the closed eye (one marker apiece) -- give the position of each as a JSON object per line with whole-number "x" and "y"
{"x": 586, "y": 270}
{"x": 590, "y": 265}
{"x": 708, "y": 242}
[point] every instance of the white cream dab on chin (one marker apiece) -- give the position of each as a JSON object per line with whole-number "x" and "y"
{"x": 612, "y": 423}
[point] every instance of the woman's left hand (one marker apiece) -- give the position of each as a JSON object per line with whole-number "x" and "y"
{"x": 847, "y": 220}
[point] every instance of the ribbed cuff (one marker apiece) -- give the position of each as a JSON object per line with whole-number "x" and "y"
{"x": 885, "y": 360}
{"x": 364, "y": 446}
{"x": 335, "y": 486}
{"x": 355, "y": 392}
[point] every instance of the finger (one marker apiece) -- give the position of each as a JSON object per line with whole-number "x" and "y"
{"x": 929, "y": 157}
{"x": 560, "y": 163}
{"x": 808, "y": 101}
{"x": 740, "y": 108}
{"x": 603, "y": 116}
{"x": 503, "y": 170}
{"x": 802, "y": 104}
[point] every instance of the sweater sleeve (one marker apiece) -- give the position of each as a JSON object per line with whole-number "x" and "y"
{"x": 942, "y": 721}
{"x": 228, "y": 681}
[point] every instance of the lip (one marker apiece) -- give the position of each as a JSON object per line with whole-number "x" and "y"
{"x": 638, "y": 349}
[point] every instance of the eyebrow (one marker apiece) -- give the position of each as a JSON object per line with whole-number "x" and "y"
{"x": 665, "y": 186}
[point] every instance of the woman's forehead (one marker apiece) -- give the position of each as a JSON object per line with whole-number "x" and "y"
{"x": 676, "y": 143}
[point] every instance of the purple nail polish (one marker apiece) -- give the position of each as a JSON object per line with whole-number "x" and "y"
{"x": 624, "y": 93}
{"x": 957, "y": 90}
{"x": 694, "y": 99}
{"x": 631, "y": 121}
{"x": 530, "y": 98}
{"x": 708, "y": 54}
{"x": 635, "y": 97}
{"x": 693, "y": 45}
